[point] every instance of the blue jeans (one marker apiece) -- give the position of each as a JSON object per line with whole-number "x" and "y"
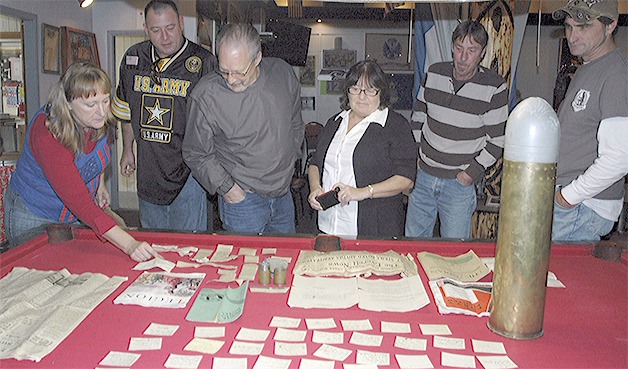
{"x": 188, "y": 211}
{"x": 19, "y": 219}
{"x": 579, "y": 224}
{"x": 453, "y": 203}
{"x": 257, "y": 214}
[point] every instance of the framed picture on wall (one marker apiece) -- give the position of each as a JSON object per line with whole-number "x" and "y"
{"x": 77, "y": 45}
{"x": 51, "y": 40}
{"x": 307, "y": 74}
{"x": 339, "y": 58}
{"x": 332, "y": 87}
{"x": 308, "y": 103}
{"x": 389, "y": 50}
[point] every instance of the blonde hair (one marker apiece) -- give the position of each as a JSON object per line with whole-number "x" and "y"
{"x": 80, "y": 80}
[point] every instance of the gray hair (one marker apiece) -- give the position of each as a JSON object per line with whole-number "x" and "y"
{"x": 239, "y": 34}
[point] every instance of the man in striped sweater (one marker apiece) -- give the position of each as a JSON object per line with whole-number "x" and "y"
{"x": 459, "y": 127}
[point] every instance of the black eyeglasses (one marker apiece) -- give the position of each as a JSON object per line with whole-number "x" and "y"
{"x": 238, "y": 75}
{"x": 370, "y": 92}
{"x": 155, "y": 73}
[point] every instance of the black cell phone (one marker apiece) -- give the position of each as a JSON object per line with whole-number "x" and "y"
{"x": 329, "y": 198}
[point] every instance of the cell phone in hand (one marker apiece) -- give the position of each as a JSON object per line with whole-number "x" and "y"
{"x": 329, "y": 198}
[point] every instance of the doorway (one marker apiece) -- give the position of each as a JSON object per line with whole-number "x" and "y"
{"x": 123, "y": 189}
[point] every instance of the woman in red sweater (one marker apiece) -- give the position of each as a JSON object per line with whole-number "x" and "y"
{"x": 59, "y": 174}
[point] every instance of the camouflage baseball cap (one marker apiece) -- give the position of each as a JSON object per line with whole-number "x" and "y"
{"x": 585, "y": 10}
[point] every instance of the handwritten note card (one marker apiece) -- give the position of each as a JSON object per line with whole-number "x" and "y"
{"x": 361, "y": 339}
{"x": 290, "y": 349}
{"x": 156, "y": 329}
{"x": 285, "y": 322}
{"x": 449, "y": 343}
{"x": 117, "y": 358}
{"x": 142, "y": 343}
{"x": 414, "y": 361}
{"x": 290, "y": 335}
{"x": 488, "y": 347}
{"x": 356, "y": 325}
{"x": 332, "y": 338}
{"x": 408, "y": 343}
{"x": 332, "y": 353}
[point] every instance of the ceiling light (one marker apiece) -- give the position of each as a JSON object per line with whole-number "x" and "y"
{"x": 85, "y": 3}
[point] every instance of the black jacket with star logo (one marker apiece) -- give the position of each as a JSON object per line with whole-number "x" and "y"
{"x": 151, "y": 95}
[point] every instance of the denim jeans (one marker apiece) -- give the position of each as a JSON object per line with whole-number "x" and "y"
{"x": 188, "y": 211}
{"x": 19, "y": 219}
{"x": 257, "y": 214}
{"x": 453, "y": 203}
{"x": 579, "y": 224}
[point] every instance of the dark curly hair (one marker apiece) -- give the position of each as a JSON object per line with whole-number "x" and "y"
{"x": 374, "y": 77}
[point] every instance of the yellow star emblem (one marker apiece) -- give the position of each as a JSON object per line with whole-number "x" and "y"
{"x": 156, "y": 112}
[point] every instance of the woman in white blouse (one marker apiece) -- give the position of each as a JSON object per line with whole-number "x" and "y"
{"x": 368, "y": 153}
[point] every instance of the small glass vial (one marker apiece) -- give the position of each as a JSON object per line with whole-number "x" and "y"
{"x": 263, "y": 274}
{"x": 280, "y": 276}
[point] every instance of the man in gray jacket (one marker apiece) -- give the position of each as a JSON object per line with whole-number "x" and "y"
{"x": 244, "y": 132}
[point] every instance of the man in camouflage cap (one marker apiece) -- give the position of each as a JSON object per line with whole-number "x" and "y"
{"x": 587, "y": 10}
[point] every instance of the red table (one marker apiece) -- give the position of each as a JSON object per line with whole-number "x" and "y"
{"x": 585, "y": 324}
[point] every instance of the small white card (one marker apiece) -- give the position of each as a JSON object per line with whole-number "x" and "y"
{"x": 449, "y": 343}
{"x": 488, "y": 347}
{"x": 144, "y": 343}
{"x": 356, "y": 325}
{"x": 266, "y": 362}
{"x": 248, "y": 334}
{"x": 247, "y": 251}
{"x": 496, "y": 362}
{"x": 156, "y": 329}
{"x": 290, "y": 349}
{"x": 457, "y": 360}
{"x": 316, "y": 364}
{"x": 285, "y": 322}
{"x": 209, "y": 332}
{"x": 204, "y": 345}
{"x": 408, "y": 343}
{"x": 222, "y": 254}
{"x": 370, "y": 357}
{"x": 289, "y": 335}
{"x": 332, "y": 338}
{"x": 202, "y": 255}
{"x": 246, "y": 348}
{"x": 158, "y": 262}
{"x": 332, "y": 353}
{"x": 320, "y": 323}
{"x": 248, "y": 272}
{"x": 229, "y": 363}
{"x": 251, "y": 259}
{"x": 183, "y": 361}
{"x": 117, "y": 358}
{"x": 394, "y": 327}
{"x": 362, "y": 339}
{"x": 414, "y": 361}
{"x": 226, "y": 275}
{"x": 435, "y": 329}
